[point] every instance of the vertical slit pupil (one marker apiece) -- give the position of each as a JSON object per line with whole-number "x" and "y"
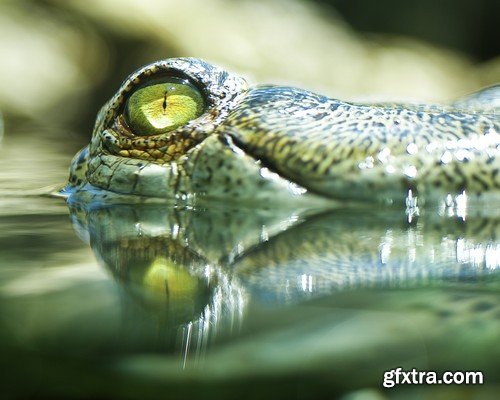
{"x": 165, "y": 101}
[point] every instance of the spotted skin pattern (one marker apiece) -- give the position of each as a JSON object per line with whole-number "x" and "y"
{"x": 267, "y": 143}
{"x": 351, "y": 151}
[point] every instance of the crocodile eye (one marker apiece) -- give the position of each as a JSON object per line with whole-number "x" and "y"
{"x": 163, "y": 106}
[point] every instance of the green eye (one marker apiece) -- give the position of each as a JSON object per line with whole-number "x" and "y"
{"x": 163, "y": 106}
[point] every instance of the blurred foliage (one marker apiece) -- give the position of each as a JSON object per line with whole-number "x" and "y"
{"x": 61, "y": 60}
{"x": 464, "y": 25}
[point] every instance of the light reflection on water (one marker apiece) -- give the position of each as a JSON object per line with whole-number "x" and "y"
{"x": 299, "y": 258}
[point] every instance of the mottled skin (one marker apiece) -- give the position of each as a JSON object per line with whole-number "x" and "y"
{"x": 265, "y": 143}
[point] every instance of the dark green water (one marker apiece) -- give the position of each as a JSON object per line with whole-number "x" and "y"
{"x": 150, "y": 301}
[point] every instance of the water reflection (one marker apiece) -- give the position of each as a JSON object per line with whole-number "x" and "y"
{"x": 199, "y": 269}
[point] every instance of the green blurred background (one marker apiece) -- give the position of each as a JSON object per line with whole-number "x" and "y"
{"x": 62, "y": 59}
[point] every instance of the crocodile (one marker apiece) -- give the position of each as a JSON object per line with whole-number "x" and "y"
{"x": 181, "y": 128}
{"x": 358, "y": 284}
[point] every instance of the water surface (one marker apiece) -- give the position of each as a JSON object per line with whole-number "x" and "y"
{"x": 143, "y": 300}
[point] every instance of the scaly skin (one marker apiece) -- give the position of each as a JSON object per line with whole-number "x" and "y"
{"x": 267, "y": 143}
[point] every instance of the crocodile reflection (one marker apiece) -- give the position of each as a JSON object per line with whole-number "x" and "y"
{"x": 201, "y": 267}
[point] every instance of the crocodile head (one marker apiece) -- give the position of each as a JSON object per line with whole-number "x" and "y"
{"x": 182, "y": 128}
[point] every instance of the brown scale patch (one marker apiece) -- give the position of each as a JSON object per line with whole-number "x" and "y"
{"x": 161, "y": 149}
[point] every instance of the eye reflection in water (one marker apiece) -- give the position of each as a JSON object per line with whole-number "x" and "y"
{"x": 149, "y": 256}
{"x": 199, "y": 269}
